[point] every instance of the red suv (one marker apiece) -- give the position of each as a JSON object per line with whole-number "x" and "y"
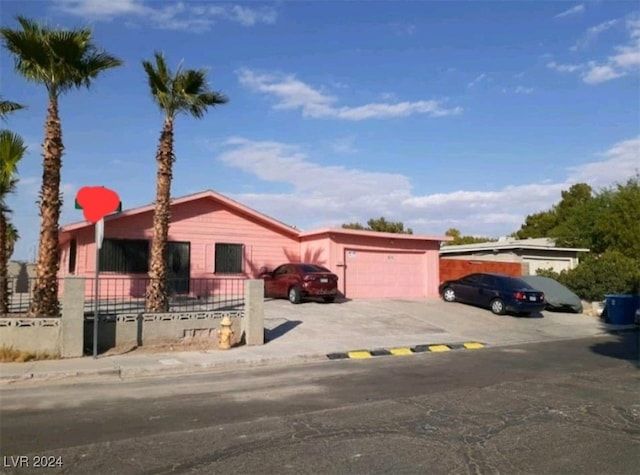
{"x": 296, "y": 281}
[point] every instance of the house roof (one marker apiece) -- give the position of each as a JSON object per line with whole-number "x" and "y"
{"x": 376, "y": 234}
{"x": 510, "y": 244}
{"x": 207, "y": 194}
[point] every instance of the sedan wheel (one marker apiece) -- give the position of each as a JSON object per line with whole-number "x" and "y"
{"x": 294, "y": 295}
{"x": 497, "y": 306}
{"x": 449, "y": 295}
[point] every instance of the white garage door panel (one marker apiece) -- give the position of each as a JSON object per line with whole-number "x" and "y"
{"x": 371, "y": 274}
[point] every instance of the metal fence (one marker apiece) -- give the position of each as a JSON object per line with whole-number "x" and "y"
{"x": 127, "y": 294}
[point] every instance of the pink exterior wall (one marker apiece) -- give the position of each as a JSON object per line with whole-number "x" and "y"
{"x": 201, "y": 222}
{"x": 330, "y": 250}
{"x": 367, "y": 266}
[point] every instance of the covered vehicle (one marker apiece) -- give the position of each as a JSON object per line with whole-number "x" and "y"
{"x": 558, "y": 297}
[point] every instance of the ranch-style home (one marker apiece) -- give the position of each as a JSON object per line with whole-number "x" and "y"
{"x": 214, "y": 237}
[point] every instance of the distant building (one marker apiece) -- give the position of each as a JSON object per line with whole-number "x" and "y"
{"x": 533, "y": 254}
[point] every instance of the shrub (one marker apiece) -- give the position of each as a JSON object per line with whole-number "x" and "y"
{"x": 609, "y": 273}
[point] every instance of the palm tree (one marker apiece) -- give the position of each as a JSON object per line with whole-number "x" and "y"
{"x": 60, "y": 60}
{"x": 6, "y": 107}
{"x": 12, "y": 150}
{"x": 185, "y": 91}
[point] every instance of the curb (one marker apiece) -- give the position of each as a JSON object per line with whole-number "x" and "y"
{"x": 125, "y": 373}
{"x": 51, "y": 375}
{"x": 402, "y": 351}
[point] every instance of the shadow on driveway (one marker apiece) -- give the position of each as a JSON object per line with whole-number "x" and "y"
{"x": 625, "y": 347}
{"x": 277, "y": 332}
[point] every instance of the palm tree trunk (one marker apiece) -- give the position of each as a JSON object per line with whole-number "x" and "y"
{"x": 157, "y": 300}
{"x": 4, "y": 278}
{"x": 45, "y": 293}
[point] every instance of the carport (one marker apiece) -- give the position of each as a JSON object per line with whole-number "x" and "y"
{"x": 377, "y": 265}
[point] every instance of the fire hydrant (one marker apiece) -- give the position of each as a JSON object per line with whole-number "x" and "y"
{"x": 225, "y": 333}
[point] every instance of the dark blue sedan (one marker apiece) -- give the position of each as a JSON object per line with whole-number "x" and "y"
{"x": 498, "y": 292}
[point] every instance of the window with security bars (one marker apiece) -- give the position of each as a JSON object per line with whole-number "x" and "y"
{"x": 228, "y": 258}
{"x": 126, "y": 256}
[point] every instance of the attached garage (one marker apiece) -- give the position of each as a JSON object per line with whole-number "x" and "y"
{"x": 377, "y": 265}
{"x": 385, "y": 274}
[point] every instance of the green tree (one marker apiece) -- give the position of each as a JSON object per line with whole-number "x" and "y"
{"x": 608, "y": 224}
{"x": 182, "y": 92}
{"x": 543, "y": 223}
{"x": 380, "y": 225}
{"x": 617, "y": 226}
{"x": 537, "y": 225}
{"x": 458, "y": 238}
{"x": 356, "y": 226}
{"x": 60, "y": 60}
{"x": 12, "y": 149}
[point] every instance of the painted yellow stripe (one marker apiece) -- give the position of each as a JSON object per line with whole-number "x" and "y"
{"x": 472, "y": 345}
{"x": 400, "y": 351}
{"x": 439, "y": 348}
{"x": 359, "y": 355}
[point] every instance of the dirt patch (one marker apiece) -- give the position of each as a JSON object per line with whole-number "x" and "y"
{"x": 185, "y": 344}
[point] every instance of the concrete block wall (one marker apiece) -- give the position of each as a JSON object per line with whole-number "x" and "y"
{"x": 68, "y": 335}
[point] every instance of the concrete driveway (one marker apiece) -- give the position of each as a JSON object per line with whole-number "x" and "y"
{"x": 377, "y": 323}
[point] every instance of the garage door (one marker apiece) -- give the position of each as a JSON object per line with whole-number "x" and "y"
{"x": 372, "y": 274}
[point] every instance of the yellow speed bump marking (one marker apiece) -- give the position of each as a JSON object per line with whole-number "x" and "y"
{"x": 439, "y": 348}
{"x": 400, "y": 351}
{"x": 472, "y": 345}
{"x": 359, "y": 355}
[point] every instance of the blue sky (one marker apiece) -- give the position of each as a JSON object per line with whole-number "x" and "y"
{"x": 440, "y": 114}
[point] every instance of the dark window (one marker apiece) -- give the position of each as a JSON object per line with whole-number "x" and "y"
{"x": 73, "y": 249}
{"x": 472, "y": 279}
{"x": 228, "y": 258}
{"x": 127, "y": 256}
{"x": 311, "y": 268}
{"x": 283, "y": 269}
{"x": 515, "y": 283}
{"x": 490, "y": 281}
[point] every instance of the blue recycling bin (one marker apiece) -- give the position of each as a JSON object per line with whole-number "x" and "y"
{"x": 621, "y": 309}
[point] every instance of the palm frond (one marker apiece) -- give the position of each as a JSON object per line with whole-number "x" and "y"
{"x": 61, "y": 59}
{"x": 12, "y": 149}
{"x": 7, "y": 107}
{"x": 184, "y": 91}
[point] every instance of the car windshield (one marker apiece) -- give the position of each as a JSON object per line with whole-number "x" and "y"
{"x": 312, "y": 268}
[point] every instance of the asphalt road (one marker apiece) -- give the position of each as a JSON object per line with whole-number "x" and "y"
{"x": 559, "y": 407}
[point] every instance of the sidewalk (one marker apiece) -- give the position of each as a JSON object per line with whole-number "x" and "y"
{"x": 311, "y": 332}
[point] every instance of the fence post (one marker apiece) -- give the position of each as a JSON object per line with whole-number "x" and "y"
{"x": 253, "y": 321}
{"x": 72, "y": 338}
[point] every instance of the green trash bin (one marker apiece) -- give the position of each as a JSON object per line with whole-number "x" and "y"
{"x": 621, "y": 309}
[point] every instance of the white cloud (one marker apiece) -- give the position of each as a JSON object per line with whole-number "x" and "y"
{"x": 571, "y": 11}
{"x": 477, "y": 80}
{"x": 518, "y": 90}
{"x": 183, "y": 15}
{"x": 564, "y": 68}
{"x": 338, "y": 194}
{"x": 620, "y": 162}
{"x": 600, "y": 73}
{"x": 592, "y": 34}
{"x": 523, "y": 90}
{"x": 291, "y": 93}
{"x": 624, "y": 60}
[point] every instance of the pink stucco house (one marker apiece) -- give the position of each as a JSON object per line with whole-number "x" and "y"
{"x": 214, "y": 237}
